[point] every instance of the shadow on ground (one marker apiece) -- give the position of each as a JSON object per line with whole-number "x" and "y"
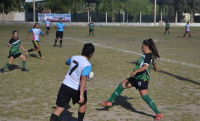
{"x": 66, "y": 115}
{"x": 122, "y": 101}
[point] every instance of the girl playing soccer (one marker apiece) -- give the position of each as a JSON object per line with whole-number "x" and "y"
{"x": 14, "y": 52}
{"x": 36, "y": 32}
{"x": 187, "y": 30}
{"x": 91, "y": 29}
{"x": 140, "y": 77}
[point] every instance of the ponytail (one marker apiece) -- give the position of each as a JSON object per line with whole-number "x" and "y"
{"x": 35, "y": 25}
{"x": 149, "y": 42}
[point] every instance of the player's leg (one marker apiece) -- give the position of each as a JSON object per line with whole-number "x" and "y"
{"x": 7, "y": 64}
{"x": 189, "y": 35}
{"x": 39, "y": 52}
{"x": 125, "y": 84}
{"x": 165, "y": 31}
{"x": 57, "y": 35}
{"x": 56, "y": 113}
{"x": 32, "y": 49}
{"x": 61, "y": 36}
{"x": 184, "y": 34}
{"x": 89, "y": 33}
{"x": 150, "y": 102}
{"x": 168, "y": 31}
{"x": 81, "y": 111}
{"x": 92, "y": 33}
{"x": 23, "y": 62}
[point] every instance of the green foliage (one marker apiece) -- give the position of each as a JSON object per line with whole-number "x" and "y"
{"x": 10, "y": 5}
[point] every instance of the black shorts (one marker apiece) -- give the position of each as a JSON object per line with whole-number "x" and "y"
{"x": 66, "y": 93}
{"x": 14, "y": 55}
{"x": 90, "y": 30}
{"x": 138, "y": 83}
{"x": 35, "y": 43}
{"x": 48, "y": 28}
{"x": 166, "y": 28}
{"x": 59, "y": 34}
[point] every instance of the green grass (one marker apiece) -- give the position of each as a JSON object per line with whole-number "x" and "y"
{"x": 30, "y": 96}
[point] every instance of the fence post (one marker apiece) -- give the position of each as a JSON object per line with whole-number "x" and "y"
{"x": 34, "y": 11}
{"x": 127, "y": 17}
{"x": 176, "y": 18}
{"x": 154, "y": 12}
{"x": 123, "y": 17}
{"x": 140, "y": 17}
{"x": 106, "y": 17}
{"x": 88, "y": 16}
{"x": 161, "y": 16}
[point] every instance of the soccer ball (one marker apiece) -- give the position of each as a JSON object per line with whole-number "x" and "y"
{"x": 91, "y": 75}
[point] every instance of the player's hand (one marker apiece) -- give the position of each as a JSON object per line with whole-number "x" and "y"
{"x": 132, "y": 74}
{"x": 81, "y": 99}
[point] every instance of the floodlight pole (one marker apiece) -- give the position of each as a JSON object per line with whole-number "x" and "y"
{"x": 3, "y": 12}
{"x": 155, "y": 13}
{"x": 34, "y": 11}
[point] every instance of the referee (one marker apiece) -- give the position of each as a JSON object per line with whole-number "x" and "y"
{"x": 59, "y": 33}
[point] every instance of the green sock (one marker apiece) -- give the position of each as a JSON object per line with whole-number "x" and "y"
{"x": 92, "y": 34}
{"x": 116, "y": 93}
{"x": 89, "y": 34}
{"x": 6, "y": 65}
{"x": 151, "y": 104}
{"x": 23, "y": 64}
{"x": 168, "y": 32}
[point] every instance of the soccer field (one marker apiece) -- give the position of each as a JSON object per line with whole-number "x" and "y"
{"x": 31, "y": 96}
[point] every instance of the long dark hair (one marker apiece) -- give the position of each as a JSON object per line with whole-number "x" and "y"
{"x": 149, "y": 42}
{"x": 35, "y": 25}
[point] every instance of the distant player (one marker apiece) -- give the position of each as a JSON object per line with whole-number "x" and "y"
{"x": 36, "y": 33}
{"x": 14, "y": 52}
{"x": 47, "y": 26}
{"x": 187, "y": 30}
{"x": 74, "y": 85}
{"x": 91, "y": 29}
{"x": 59, "y": 33}
{"x": 167, "y": 27}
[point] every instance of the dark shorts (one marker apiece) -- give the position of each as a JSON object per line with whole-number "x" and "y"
{"x": 138, "y": 83}
{"x": 187, "y": 31}
{"x": 90, "y": 30}
{"x": 66, "y": 93}
{"x": 48, "y": 28}
{"x": 35, "y": 43}
{"x": 59, "y": 34}
{"x": 14, "y": 55}
{"x": 166, "y": 28}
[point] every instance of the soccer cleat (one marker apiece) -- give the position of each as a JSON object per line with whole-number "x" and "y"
{"x": 89, "y": 36}
{"x": 106, "y": 103}
{"x": 2, "y": 70}
{"x": 54, "y": 45}
{"x": 42, "y": 57}
{"x": 60, "y": 46}
{"x": 184, "y": 37}
{"x": 158, "y": 116}
{"x": 92, "y": 36}
{"x": 24, "y": 69}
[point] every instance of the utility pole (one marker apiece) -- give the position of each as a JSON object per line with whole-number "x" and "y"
{"x": 34, "y": 11}
{"x": 154, "y": 12}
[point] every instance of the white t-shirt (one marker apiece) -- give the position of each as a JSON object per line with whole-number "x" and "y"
{"x": 36, "y": 33}
{"x": 79, "y": 66}
{"x": 47, "y": 23}
{"x": 187, "y": 28}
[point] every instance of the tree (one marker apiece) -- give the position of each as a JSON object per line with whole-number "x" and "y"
{"x": 10, "y": 5}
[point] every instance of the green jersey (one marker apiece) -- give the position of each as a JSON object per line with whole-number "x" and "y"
{"x": 167, "y": 25}
{"x": 91, "y": 26}
{"x": 15, "y": 43}
{"x": 144, "y": 59}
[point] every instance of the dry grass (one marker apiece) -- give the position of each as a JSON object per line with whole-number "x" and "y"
{"x": 175, "y": 90}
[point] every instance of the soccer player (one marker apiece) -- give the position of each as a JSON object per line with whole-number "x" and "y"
{"x": 140, "y": 77}
{"x": 14, "y": 52}
{"x": 73, "y": 85}
{"x": 167, "y": 27}
{"x": 91, "y": 29}
{"x": 187, "y": 30}
{"x": 59, "y": 33}
{"x": 47, "y": 26}
{"x": 36, "y": 33}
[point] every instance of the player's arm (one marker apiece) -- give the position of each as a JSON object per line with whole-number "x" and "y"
{"x": 82, "y": 88}
{"x": 9, "y": 45}
{"x": 84, "y": 75}
{"x": 68, "y": 62}
{"x": 29, "y": 33}
{"x": 23, "y": 48}
{"x": 42, "y": 33}
{"x": 155, "y": 67}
